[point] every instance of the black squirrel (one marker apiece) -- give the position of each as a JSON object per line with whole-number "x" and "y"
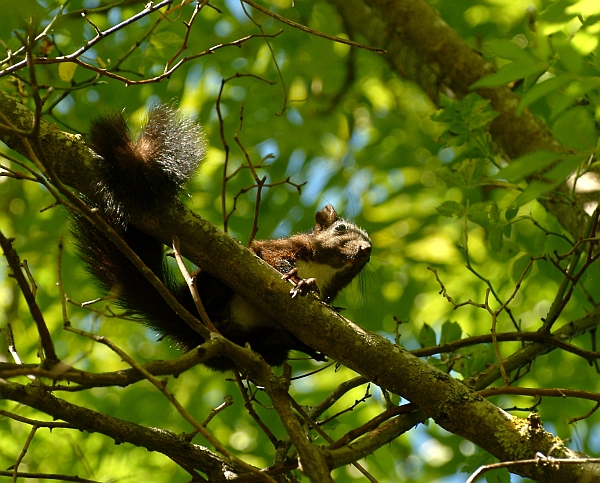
{"x": 149, "y": 172}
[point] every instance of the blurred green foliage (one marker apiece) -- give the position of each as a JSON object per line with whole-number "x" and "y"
{"x": 427, "y": 184}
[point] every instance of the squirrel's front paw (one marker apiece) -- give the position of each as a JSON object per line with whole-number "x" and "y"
{"x": 303, "y": 286}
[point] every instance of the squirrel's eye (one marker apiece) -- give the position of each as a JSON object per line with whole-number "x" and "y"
{"x": 341, "y": 228}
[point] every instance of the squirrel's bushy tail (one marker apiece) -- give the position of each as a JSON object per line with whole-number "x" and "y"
{"x": 137, "y": 174}
{"x": 150, "y": 171}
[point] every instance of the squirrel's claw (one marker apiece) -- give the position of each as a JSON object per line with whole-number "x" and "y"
{"x": 303, "y": 286}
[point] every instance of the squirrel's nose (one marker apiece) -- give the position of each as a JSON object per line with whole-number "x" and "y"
{"x": 364, "y": 250}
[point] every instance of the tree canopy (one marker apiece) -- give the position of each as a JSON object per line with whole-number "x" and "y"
{"x": 460, "y": 135}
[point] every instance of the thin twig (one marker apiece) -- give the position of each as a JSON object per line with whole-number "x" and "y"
{"x": 15, "y": 265}
{"x": 312, "y": 31}
{"x": 191, "y": 283}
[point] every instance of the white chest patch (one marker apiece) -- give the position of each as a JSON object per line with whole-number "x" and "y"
{"x": 321, "y": 272}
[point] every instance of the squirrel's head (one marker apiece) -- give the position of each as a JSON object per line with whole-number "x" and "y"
{"x": 341, "y": 245}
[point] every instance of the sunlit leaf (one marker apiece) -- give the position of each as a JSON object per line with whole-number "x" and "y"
{"x": 525, "y": 165}
{"x": 66, "y": 70}
{"x": 510, "y": 73}
{"x": 557, "y": 13}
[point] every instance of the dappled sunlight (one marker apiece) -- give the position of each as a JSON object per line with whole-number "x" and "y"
{"x": 433, "y": 249}
{"x": 505, "y": 14}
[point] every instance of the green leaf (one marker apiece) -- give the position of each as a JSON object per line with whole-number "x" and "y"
{"x": 494, "y": 213}
{"x": 427, "y": 336}
{"x": 500, "y": 475}
{"x": 161, "y": 44}
{"x": 527, "y": 164}
{"x": 478, "y": 213}
{"x": 450, "y": 209}
{"x": 533, "y": 191}
{"x": 332, "y": 423}
{"x": 482, "y": 120}
{"x": 576, "y": 129}
{"x": 66, "y": 70}
{"x": 511, "y": 213}
{"x": 495, "y": 236}
{"x": 507, "y": 49}
{"x": 474, "y": 360}
{"x": 518, "y": 267}
{"x": 509, "y": 248}
{"x": 558, "y": 12}
{"x": 480, "y": 458}
{"x": 483, "y": 458}
{"x": 569, "y": 56}
{"x": 481, "y": 358}
{"x": 449, "y": 176}
{"x": 552, "y": 179}
{"x": 574, "y": 90}
{"x": 509, "y": 73}
{"x": 542, "y": 89}
{"x": 470, "y": 114}
{"x": 471, "y": 171}
{"x": 565, "y": 168}
{"x": 472, "y": 104}
{"x": 451, "y": 331}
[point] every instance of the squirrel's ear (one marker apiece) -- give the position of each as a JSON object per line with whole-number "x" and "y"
{"x": 326, "y": 217}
